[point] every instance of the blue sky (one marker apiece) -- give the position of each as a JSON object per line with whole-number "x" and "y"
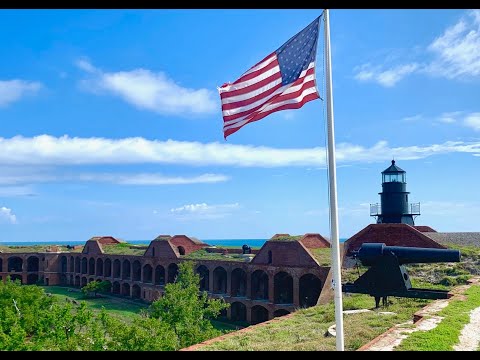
{"x": 111, "y": 123}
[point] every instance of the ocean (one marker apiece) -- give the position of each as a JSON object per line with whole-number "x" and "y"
{"x": 216, "y": 242}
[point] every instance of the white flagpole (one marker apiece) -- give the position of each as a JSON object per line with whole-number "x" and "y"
{"x": 332, "y": 187}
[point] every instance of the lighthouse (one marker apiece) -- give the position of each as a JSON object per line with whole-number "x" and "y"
{"x": 394, "y": 207}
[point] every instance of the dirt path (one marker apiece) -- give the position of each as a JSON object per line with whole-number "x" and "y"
{"x": 469, "y": 339}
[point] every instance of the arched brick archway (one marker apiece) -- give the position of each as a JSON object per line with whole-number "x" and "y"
{"x": 310, "y": 287}
{"x": 219, "y": 280}
{"x": 147, "y": 273}
{"x": 280, "y": 312}
{"x": 117, "y": 268}
{"x": 77, "y": 280}
{"x": 116, "y": 287}
{"x": 136, "y": 271}
{"x": 77, "y": 265}
{"x": 84, "y": 281}
{"x": 72, "y": 264}
{"x": 159, "y": 275}
{"x": 259, "y": 285}
{"x": 126, "y": 269}
{"x": 107, "y": 265}
{"x": 239, "y": 283}
{"x": 33, "y": 263}
{"x": 238, "y": 311}
{"x": 283, "y": 288}
{"x": 136, "y": 291}
{"x": 63, "y": 264}
{"x": 172, "y": 272}
{"x": 259, "y": 314}
{"x": 126, "y": 289}
{"x": 15, "y": 263}
{"x": 84, "y": 265}
{"x": 181, "y": 250}
{"x": 14, "y": 277}
{"x": 204, "y": 274}
{"x": 32, "y": 279}
{"x": 91, "y": 266}
{"x": 99, "y": 269}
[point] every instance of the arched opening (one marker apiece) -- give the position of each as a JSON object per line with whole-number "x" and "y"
{"x": 283, "y": 288}
{"x": 1, "y": 265}
{"x": 116, "y": 269}
{"x": 14, "y": 277}
{"x": 77, "y": 265}
{"x": 77, "y": 280}
{"x": 172, "y": 272}
{"x": 219, "y": 280}
{"x": 32, "y": 279}
{"x": 107, "y": 268}
{"x": 126, "y": 289}
{"x": 15, "y": 263}
{"x": 72, "y": 282}
{"x": 136, "y": 291}
{"x": 63, "y": 264}
{"x": 181, "y": 250}
{"x": 310, "y": 288}
{"x": 32, "y": 263}
{"x": 72, "y": 264}
{"x": 259, "y": 285}
{"x": 63, "y": 279}
{"x": 136, "y": 271}
{"x": 147, "y": 273}
{"x": 239, "y": 283}
{"x": 238, "y": 311}
{"x": 108, "y": 288}
{"x": 99, "y": 267}
{"x": 280, "y": 312}
{"x": 91, "y": 266}
{"x": 259, "y": 314}
{"x": 126, "y": 270}
{"x": 116, "y": 287}
{"x": 84, "y": 281}
{"x": 84, "y": 265}
{"x": 270, "y": 257}
{"x": 159, "y": 275}
{"x": 204, "y": 274}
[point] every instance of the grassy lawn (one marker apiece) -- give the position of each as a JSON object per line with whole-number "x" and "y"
{"x": 306, "y": 329}
{"x": 202, "y": 254}
{"x": 34, "y": 248}
{"x": 123, "y": 308}
{"x": 446, "y": 334}
{"x": 124, "y": 249}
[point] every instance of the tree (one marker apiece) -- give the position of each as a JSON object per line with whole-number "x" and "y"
{"x": 187, "y": 311}
{"x": 96, "y": 286}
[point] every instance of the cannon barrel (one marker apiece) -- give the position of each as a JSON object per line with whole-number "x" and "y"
{"x": 370, "y": 253}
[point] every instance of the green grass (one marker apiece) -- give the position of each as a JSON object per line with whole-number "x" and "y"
{"x": 34, "y": 249}
{"x": 322, "y": 255}
{"x": 202, "y": 254}
{"x": 287, "y": 238}
{"x": 125, "y": 309}
{"x": 445, "y": 335}
{"x": 306, "y": 328}
{"x": 124, "y": 249}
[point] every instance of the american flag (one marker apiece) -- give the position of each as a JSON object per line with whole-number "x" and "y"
{"x": 285, "y": 79}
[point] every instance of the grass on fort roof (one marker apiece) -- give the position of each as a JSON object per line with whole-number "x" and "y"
{"x": 322, "y": 255}
{"x": 202, "y": 254}
{"x": 34, "y": 248}
{"x": 124, "y": 249}
{"x": 287, "y": 238}
{"x": 305, "y": 330}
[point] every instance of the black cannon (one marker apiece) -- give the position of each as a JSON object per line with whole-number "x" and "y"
{"x": 246, "y": 249}
{"x": 388, "y": 277}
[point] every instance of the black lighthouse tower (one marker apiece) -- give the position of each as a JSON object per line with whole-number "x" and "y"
{"x": 394, "y": 206}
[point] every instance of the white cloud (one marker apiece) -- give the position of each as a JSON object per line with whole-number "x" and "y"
{"x": 386, "y": 78}
{"x": 65, "y": 150}
{"x": 7, "y": 215}
{"x": 204, "y": 211}
{"x": 450, "y": 117}
{"x": 14, "y": 191}
{"x": 453, "y": 55}
{"x": 413, "y": 118}
{"x": 121, "y": 179}
{"x": 473, "y": 121}
{"x": 149, "y": 90}
{"x": 457, "y": 49}
{"x": 14, "y": 90}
